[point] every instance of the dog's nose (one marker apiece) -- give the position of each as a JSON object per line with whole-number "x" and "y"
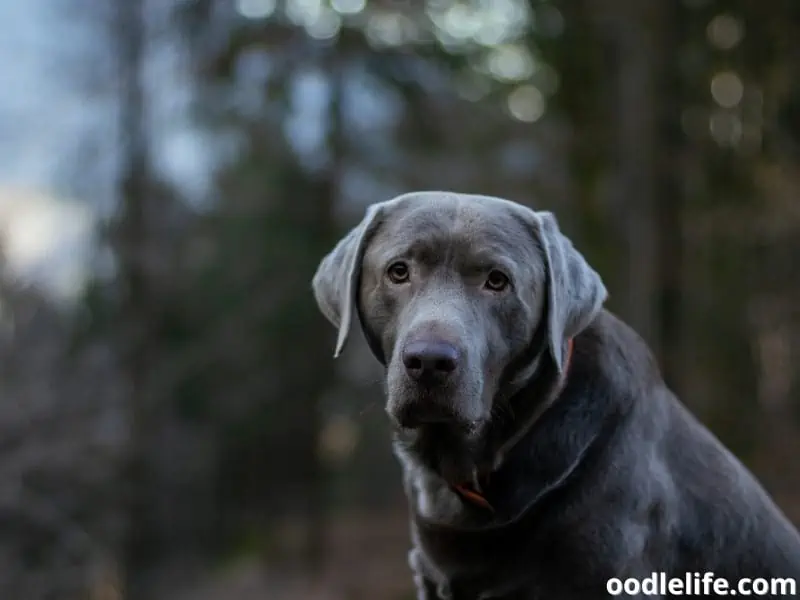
{"x": 430, "y": 361}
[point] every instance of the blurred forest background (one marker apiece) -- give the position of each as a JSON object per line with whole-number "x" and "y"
{"x": 172, "y": 424}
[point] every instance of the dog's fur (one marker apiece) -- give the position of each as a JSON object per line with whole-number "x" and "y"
{"x": 593, "y": 468}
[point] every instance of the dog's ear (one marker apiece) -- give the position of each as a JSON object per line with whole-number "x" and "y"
{"x": 335, "y": 283}
{"x": 575, "y": 291}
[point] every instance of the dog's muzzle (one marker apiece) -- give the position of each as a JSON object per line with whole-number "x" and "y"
{"x": 432, "y": 369}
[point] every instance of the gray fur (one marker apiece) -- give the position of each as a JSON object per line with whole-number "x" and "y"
{"x": 608, "y": 474}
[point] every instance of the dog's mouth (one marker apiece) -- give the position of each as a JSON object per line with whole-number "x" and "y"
{"x": 421, "y": 411}
{"x": 427, "y": 412}
{"x": 467, "y": 429}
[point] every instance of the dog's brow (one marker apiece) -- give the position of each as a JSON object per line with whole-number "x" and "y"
{"x": 489, "y": 258}
{"x": 428, "y": 247}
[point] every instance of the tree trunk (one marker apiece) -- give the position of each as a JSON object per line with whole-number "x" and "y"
{"x": 637, "y": 146}
{"x": 323, "y": 227}
{"x": 670, "y": 192}
{"x": 129, "y": 238}
{"x": 649, "y": 151}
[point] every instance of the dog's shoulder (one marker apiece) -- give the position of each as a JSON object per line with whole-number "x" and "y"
{"x": 708, "y": 503}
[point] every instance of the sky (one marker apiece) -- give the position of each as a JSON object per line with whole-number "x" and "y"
{"x": 57, "y": 138}
{"x": 33, "y": 133}
{"x": 44, "y": 236}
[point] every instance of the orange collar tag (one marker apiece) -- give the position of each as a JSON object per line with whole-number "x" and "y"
{"x": 465, "y": 489}
{"x": 570, "y": 345}
{"x": 473, "y": 496}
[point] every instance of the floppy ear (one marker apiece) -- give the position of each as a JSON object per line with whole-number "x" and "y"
{"x": 575, "y": 291}
{"x": 335, "y": 283}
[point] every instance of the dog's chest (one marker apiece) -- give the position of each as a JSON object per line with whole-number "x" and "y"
{"x": 459, "y": 570}
{"x": 481, "y": 568}
{"x": 515, "y": 561}
{"x": 446, "y": 553}
{"x": 485, "y": 569}
{"x": 471, "y": 554}
{"x": 467, "y": 562}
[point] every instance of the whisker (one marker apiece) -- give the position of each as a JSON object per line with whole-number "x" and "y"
{"x": 369, "y": 406}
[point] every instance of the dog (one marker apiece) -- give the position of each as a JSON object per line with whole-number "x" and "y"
{"x": 542, "y": 453}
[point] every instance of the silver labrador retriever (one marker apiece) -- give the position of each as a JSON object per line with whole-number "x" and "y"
{"x": 542, "y": 452}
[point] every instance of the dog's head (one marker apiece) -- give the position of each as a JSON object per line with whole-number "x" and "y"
{"x": 451, "y": 290}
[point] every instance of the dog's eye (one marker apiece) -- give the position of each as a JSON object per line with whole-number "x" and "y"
{"x": 398, "y": 272}
{"x": 496, "y": 281}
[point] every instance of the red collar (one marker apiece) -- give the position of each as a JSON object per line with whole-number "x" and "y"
{"x": 470, "y": 491}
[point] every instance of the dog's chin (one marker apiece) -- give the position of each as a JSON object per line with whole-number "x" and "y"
{"x": 421, "y": 410}
{"x": 467, "y": 430}
{"x": 452, "y": 449}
